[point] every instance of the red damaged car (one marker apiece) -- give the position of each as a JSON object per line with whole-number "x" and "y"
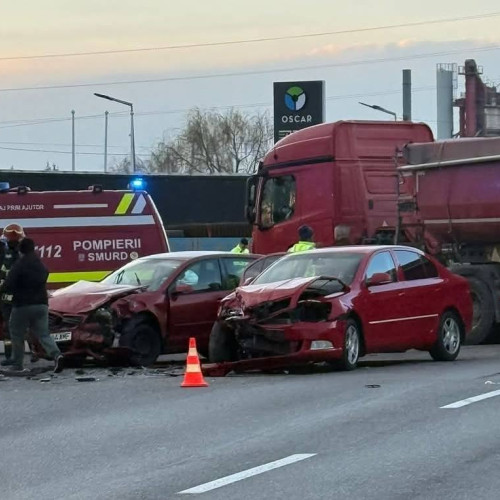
{"x": 150, "y": 306}
{"x": 338, "y": 304}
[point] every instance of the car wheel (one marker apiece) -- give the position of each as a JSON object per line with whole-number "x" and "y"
{"x": 222, "y": 344}
{"x": 352, "y": 346}
{"x": 483, "y": 311}
{"x": 449, "y": 335}
{"x": 144, "y": 341}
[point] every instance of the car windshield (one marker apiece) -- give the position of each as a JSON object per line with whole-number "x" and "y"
{"x": 150, "y": 273}
{"x": 341, "y": 265}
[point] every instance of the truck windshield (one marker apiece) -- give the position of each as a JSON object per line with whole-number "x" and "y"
{"x": 277, "y": 202}
{"x": 150, "y": 273}
{"x": 340, "y": 265}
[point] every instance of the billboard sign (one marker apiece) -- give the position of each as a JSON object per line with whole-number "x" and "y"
{"x": 297, "y": 105}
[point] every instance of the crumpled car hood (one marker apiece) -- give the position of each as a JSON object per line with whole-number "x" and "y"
{"x": 85, "y": 296}
{"x": 252, "y": 295}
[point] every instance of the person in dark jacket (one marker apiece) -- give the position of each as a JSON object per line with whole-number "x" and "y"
{"x": 26, "y": 282}
{"x": 9, "y": 254}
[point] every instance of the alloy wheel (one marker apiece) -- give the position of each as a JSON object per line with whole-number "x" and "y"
{"x": 451, "y": 335}
{"x": 352, "y": 344}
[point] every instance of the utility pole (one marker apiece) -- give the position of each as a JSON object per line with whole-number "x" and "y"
{"x": 73, "y": 166}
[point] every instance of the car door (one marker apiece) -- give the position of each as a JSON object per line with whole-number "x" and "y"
{"x": 380, "y": 306}
{"x": 233, "y": 268}
{"x": 193, "y": 311}
{"x": 252, "y": 270}
{"x": 423, "y": 291}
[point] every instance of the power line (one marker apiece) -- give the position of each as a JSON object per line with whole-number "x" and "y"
{"x": 256, "y": 40}
{"x": 42, "y": 121}
{"x": 255, "y": 72}
{"x": 29, "y": 150}
{"x": 24, "y": 143}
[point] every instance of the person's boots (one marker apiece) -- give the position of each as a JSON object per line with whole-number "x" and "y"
{"x": 8, "y": 354}
{"x": 34, "y": 357}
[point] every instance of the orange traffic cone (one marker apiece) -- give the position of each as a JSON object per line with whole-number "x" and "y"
{"x": 193, "y": 376}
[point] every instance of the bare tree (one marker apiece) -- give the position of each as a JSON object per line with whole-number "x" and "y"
{"x": 215, "y": 143}
{"x": 124, "y": 166}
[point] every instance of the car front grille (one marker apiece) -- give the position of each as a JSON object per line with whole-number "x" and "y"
{"x": 58, "y": 322}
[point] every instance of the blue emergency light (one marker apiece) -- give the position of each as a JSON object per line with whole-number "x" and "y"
{"x": 137, "y": 184}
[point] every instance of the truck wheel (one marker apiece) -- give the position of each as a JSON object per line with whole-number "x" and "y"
{"x": 143, "y": 339}
{"x": 352, "y": 346}
{"x": 483, "y": 311}
{"x": 222, "y": 344}
{"x": 449, "y": 335}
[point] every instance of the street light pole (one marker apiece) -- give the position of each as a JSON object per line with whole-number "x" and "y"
{"x": 106, "y": 141}
{"x": 132, "y": 141}
{"x": 379, "y": 108}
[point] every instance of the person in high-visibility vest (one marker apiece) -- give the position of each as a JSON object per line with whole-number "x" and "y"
{"x": 241, "y": 247}
{"x": 305, "y": 242}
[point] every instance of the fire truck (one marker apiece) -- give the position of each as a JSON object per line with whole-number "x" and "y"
{"x": 85, "y": 235}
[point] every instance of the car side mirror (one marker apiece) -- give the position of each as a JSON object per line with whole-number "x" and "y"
{"x": 248, "y": 280}
{"x": 379, "y": 279}
{"x": 181, "y": 289}
{"x": 251, "y": 196}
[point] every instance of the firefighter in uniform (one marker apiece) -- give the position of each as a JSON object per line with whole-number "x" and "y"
{"x": 9, "y": 253}
{"x": 305, "y": 242}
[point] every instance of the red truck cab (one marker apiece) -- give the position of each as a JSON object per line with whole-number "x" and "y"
{"x": 338, "y": 178}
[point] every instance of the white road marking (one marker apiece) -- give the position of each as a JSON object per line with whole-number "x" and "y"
{"x": 474, "y": 399}
{"x": 233, "y": 478}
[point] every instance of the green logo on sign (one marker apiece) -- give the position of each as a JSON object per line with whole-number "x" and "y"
{"x": 295, "y": 98}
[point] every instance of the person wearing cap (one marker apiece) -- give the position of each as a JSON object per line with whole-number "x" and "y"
{"x": 241, "y": 247}
{"x": 27, "y": 283}
{"x": 305, "y": 242}
{"x": 9, "y": 254}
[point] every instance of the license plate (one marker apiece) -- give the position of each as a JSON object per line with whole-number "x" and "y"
{"x": 61, "y": 337}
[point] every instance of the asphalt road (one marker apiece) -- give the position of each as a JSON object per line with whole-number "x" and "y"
{"x": 318, "y": 435}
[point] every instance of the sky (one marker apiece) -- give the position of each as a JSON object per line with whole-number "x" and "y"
{"x": 55, "y": 54}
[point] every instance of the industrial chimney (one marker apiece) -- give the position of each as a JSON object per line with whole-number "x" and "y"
{"x": 445, "y": 82}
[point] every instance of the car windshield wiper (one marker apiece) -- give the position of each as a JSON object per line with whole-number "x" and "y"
{"x": 137, "y": 279}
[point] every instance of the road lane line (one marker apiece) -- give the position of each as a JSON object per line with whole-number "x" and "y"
{"x": 474, "y": 399}
{"x": 233, "y": 478}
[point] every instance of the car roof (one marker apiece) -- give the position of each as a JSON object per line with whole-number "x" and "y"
{"x": 187, "y": 255}
{"x": 275, "y": 254}
{"x": 363, "y": 249}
